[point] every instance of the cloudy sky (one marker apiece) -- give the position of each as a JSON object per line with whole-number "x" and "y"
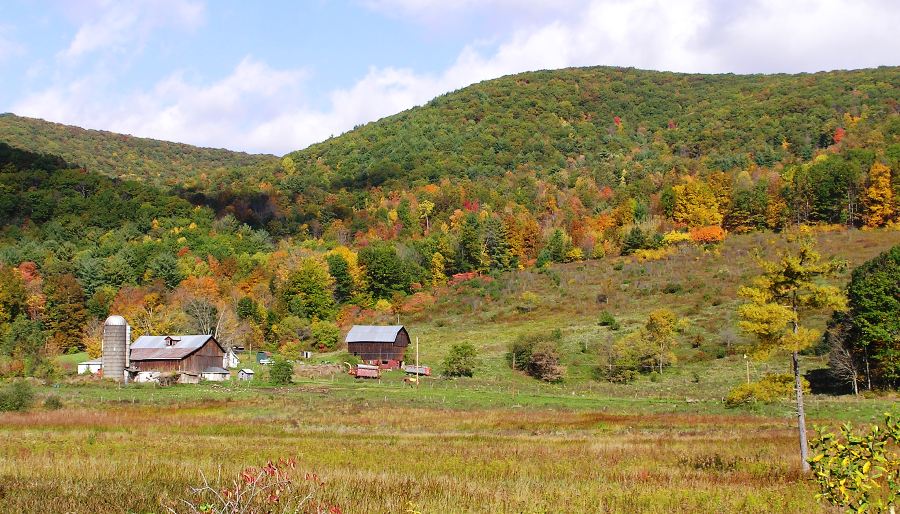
{"x": 276, "y": 76}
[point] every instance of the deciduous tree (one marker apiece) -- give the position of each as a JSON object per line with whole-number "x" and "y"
{"x": 779, "y": 297}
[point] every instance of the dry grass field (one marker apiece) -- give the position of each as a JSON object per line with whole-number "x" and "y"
{"x": 390, "y": 458}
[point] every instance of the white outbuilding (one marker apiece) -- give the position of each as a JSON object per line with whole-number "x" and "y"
{"x": 93, "y": 367}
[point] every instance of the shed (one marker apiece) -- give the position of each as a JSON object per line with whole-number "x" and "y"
{"x": 245, "y": 374}
{"x": 92, "y": 367}
{"x": 187, "y": 355}
{"x": 215, "y": 374}
{"x": 383, "y": 346}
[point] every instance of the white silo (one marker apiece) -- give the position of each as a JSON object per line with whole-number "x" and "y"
{"x": 116, "y": 333}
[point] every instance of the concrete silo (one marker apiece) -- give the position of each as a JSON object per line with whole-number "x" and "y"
{"x": 116, "y": 334}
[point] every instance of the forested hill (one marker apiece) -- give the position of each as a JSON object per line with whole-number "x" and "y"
{"x": 160, "y": 163}
{"x": 600, "y": 117}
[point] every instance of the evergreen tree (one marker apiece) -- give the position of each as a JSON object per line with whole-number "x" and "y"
{"x": 471, "y": 251}
{"x": 496, "y": 242}
{"x": 339, "y": 269}
{"x": 557, "y": 246}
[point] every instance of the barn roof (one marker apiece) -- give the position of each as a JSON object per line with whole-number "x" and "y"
{"x": 373, "y": 333}
{"x": 155, "y": 347}
{"x": 218, "y": 370}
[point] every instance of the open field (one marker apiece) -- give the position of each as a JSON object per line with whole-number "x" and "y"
{"x": 499, "y": 442}
{"x": 384, "y": 447}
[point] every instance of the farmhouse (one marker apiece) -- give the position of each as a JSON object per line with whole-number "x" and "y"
{"x": 188, "y": 356}
{"x": 382, "y": 346}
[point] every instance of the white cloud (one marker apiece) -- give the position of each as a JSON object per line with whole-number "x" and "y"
{"x": 115, "y": 25}
{"x": 260, "y": 108}
{"x": 8, "y": 46}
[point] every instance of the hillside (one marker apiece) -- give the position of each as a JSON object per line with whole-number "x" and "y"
{"x": 586, "y": 117}
{"x": 160, "y": 163}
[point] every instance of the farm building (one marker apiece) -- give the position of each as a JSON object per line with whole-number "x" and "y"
{"x": 382, "y": 346}
{"x": 245, "y": 374}
{"x": 230, "y": 360}
{"x": 92, "y": 367}
{"x": 215, "y": 374}
{"x": 188, "y": 356}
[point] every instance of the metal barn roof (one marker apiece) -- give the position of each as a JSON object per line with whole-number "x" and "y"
{"x": 373, "y": 333}
{"x": 155, "y": 347}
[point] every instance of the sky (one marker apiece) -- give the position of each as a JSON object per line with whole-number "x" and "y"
{"x": 277, "y": 76}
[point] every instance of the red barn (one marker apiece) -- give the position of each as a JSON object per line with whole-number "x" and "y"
{"x": 383, "y": 346}
{"x": 189, "y": 355}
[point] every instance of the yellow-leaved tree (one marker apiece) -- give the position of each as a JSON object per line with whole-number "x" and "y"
{"x": 788, "y": 289}
{"x": 696, "y": 205}
{"x": 879, "y": 197}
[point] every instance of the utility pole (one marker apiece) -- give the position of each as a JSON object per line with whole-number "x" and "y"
{"x": 417, "y": 362}
{"x": 747, "y": 362}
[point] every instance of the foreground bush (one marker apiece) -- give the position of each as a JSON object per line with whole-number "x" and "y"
{"x": 274, "y": 488}
{"x": 281, "y": 372}
{"x": 537, "y": 355}
{"x": 860, "y": 473}
{"x": 17, "y": 396}
{"x": 461, "y": 361}
{"x": 772, "y": 388}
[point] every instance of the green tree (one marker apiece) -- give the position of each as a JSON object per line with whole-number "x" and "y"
{"x": 385, "y": 271}
{"x": 874, "y": 311}
{"x": 164, "y": 266}
{"x": 23, "y": 337}
{"x": 497, "y": 247}
{"x": 557, "y": 246}
{"x": 460, "y": 361}
{"x": 326, "y": 335}
{"x": 471, "y": 254}
{"x": 339, "y": 269}
{"x": 308, "y": 290}
{"x": 786, "y": 291}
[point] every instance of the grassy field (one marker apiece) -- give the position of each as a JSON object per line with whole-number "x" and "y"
{"x": 499, "y": 442}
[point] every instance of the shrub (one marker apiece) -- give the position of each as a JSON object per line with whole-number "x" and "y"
{"x": 276, "y": 487}
{"x": 281, "y": 372}
{"x": 529, "y": 301}
{"x": 653, "y": 254}
{"x": 859, "y": 472}
{"x": 461, "y": 361}
{"x": 544, "y": 362}
{"x": 537, "y": 355}
{"x": 772, "y": 388}
{"x": 15, "y": 397}
{"x": 672, "y": 288}
{"x": 608, "y": 320}
{"x": 674, "y": 238}
{"x": 711, "y": 234}
{"x": 53, "y": 402}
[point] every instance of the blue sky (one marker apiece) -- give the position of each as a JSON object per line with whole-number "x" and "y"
{"x": 279, "y": 75}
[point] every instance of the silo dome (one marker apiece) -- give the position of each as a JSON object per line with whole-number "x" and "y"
{"x": 116, "y": 320}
